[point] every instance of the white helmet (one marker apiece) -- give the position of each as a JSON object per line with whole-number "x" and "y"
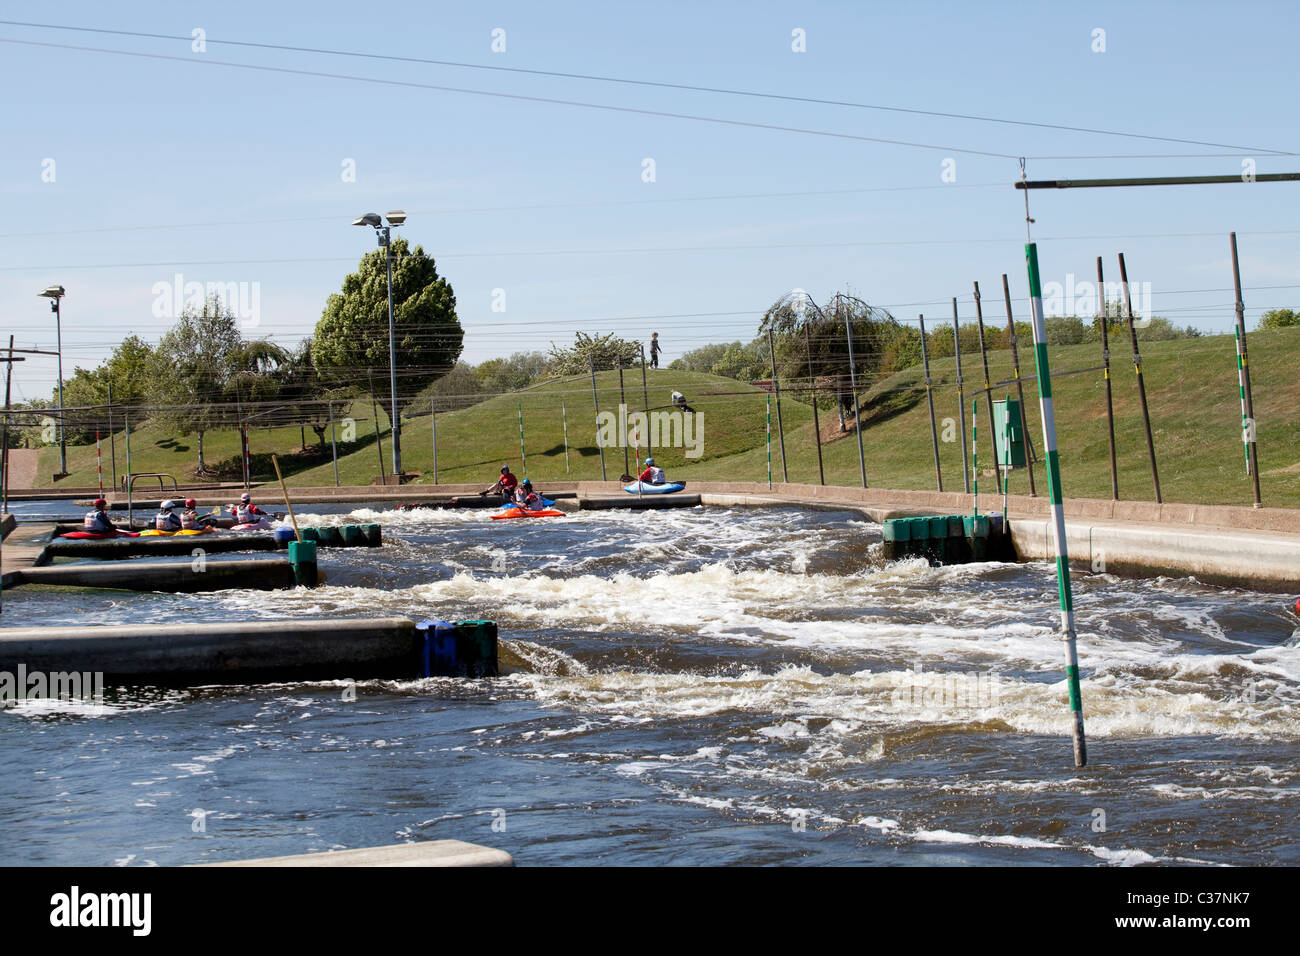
{"x": 168, "y": 505}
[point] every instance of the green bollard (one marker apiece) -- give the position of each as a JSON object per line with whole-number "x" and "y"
{"x": 302, "y": 555}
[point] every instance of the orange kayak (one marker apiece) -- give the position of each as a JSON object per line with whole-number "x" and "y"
{"x": 525, "y": 513}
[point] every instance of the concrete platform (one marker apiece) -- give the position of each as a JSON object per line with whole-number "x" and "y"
{"x": 431, "y": 853}
{"x": 677, "y": 499}
{"x": 223, "y": 653}
{"x": 259, "y": 574}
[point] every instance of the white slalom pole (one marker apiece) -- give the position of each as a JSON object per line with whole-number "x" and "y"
{"x": 1058, "y": 511}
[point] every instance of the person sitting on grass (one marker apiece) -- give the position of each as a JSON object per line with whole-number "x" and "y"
{"x": 98, "y": 521}
{"x": 505, "y": 486}
{"x": 679, "y": 401}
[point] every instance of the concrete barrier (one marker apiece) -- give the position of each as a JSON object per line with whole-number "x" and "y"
{"x": 260, "y": 574}
{"x": 430, "y": 853}
{"x": 639, "y": 502}
{"x": 234, "y": 653}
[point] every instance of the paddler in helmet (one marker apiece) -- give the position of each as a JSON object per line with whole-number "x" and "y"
{"x": 190, "y": 520}
{"x": 525, "y": 497}
{"x": 505, "y": 486}
{"x": 653, "y": 474}
{"x": 246, "y": 512}
{"x": 98, "y": 521}
{"x": 167, "y": 519}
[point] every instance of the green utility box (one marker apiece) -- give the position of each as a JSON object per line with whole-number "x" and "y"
{"x": 1009, "y": 433}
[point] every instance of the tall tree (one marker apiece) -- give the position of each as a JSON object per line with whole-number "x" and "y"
{"x": 196, "y": 367}
{"x": 352, "y": 334}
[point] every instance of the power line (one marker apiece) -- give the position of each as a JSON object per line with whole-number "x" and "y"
{"x": 652, "y": 83}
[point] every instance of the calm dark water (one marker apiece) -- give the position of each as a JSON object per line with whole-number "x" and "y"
{"x": 694, "y": 687}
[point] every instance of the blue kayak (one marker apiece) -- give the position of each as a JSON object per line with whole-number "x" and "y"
{"x": 645, "y": 488}
{"x": 545, "y": 501}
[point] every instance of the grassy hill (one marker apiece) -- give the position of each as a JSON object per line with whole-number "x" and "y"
{"x": 1191, "y": 386}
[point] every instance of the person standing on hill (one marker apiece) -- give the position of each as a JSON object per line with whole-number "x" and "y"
{"x": 654, "y": 349}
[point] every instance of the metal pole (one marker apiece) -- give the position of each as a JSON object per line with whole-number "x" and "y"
{"x": 334, "y": 443}
{"x": 975, "y": 449}
{"x": 622, "y": 405}
{"x": 433, "y": 429}
{"x": 4, "y": 452}
{"x": 63, "y": 435}
{"x": 1252, "y": 427}
{"x": 1241, "y": 394}
{"x": 1105, "y": 365}
{"x": 130, "y": 510}
{"x": 812, "y": 383}
{"x": 853, "y": 384}
{"x": 645, "y": 397}
{"x": 1020, "y": 388}
{"x": 1058, "y": 511}
{"x": 395, "y": 424}
{"x": 961, "y": 396}
{"x": 929, "y": 395}
{"x": 1137, "y": 367}
{"x": 780, "y": 424}
{"x": 99, "y": 462}
{"x": 564, "y": 421}
{"x": 595, "y": 401}
{"x": 984, "y": 359}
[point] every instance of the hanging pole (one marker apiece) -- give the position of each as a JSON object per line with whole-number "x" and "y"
{"x": 1241, "y": 394}
{"x": 622, "y": 405}
{"x": 1006, "y": 469}
{"x": 1252, "y": 427}
{"x": 645, "y": 411}
{"x": 853, "y": 384}
{"x": 975, "y": 450}
{"x": 1105, "y": 366}
{"x": 1020, "y": 388}
{"x": 1155, "y": 181}
{"x": 379, "y": 442}
{"x": 769, "y": 442}
{"x": 595, "y": 401}
{"x": 523, "y": 459}
{"x": 929, "y": 397}
{"x": 112, "y": 443}
{"x": 4, "y": 452}
{"x": 984, "y": 360}
{"x": 99, "y": 462}
{"x": 812, "y": 383}
{"x": 564, "y": 421}
{"x": 961, "y": 396}
{"x": 130, "y": 509}
{"x": 334, "y": 443}
{"x": 1137, "y": 367}
{"x": 1058, "y": 510}
{"x": 780, "y": 424}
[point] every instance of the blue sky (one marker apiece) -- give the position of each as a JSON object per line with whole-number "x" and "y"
{"x": 219, "y": 174}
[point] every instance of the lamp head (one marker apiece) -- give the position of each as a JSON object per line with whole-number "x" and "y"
{"x": 369, "y": 219}
{"x": 395, "y": 217}
{"x": 53, "y": 292}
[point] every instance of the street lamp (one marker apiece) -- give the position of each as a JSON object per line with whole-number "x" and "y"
{"x": 395, "y": 218}
{"x": 54, "y": 293}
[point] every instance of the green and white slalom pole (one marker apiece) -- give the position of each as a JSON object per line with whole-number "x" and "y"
{"x": 975, "y": 450}
{"x": 769, "y": 442}
{"x": 523, "y": 459}
{"x": 1241, "y": 392}
{"x": 1058, "y": 511}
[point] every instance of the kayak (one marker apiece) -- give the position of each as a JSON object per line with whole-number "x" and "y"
{"x": 545, "y": 501}
{"x": 525, "y": 513}
{"x": 264, "y": 525}
{"x": 154, "y": 533}
{"x": 645, "y": 488}
{"x": 99, "y": 535}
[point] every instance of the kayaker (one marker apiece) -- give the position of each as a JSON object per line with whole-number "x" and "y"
{"x": 98, "y": 521}
{"x": 653, "y": 474}
{"x": 190, "y": 520}
{"x": 246, "y": 512}
{"x": 525, "y": 497}
{"x": 505, "y": 486}
{"x": 167, "y": 519}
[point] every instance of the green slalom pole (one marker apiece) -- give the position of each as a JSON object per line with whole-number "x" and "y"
{"x": 975, "y": 450}
{"x": 1241, "y": 391}
{"x": 769, "y": 442}
{"x": 564, "y": 420}
{"x": 1058, "y": 511}
{"x": 523, "y": 460}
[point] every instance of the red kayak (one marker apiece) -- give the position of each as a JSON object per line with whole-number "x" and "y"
{"x": 525, "y": 513}
{"x": 100, "y": 535}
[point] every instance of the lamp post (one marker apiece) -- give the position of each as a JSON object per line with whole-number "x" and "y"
{"x": 54, "y": 293}
{"x": 395, "y": 218}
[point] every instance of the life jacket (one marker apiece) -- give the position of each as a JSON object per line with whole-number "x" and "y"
{"x": 166, "y": 521}
{"x": 94, "y": 521}
{"x": 244, "y": 514}
{"x": 653, "y": 475}
{"x": 189, "y": 520}
{"x": 509, "y": 482}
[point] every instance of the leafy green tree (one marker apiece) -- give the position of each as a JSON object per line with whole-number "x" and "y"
{"x": 198, "y": 363}
{"x": 511, "y": 374}
{"x": 352, "y": 335}
{"x": 1279, "y": 319}
{"x": 704, "y": 358}
{"x": 600, "y": 352}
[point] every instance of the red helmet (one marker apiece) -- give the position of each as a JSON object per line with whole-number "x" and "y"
{"x": 100, "y": 503}
{"x": 191, "y": 503}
